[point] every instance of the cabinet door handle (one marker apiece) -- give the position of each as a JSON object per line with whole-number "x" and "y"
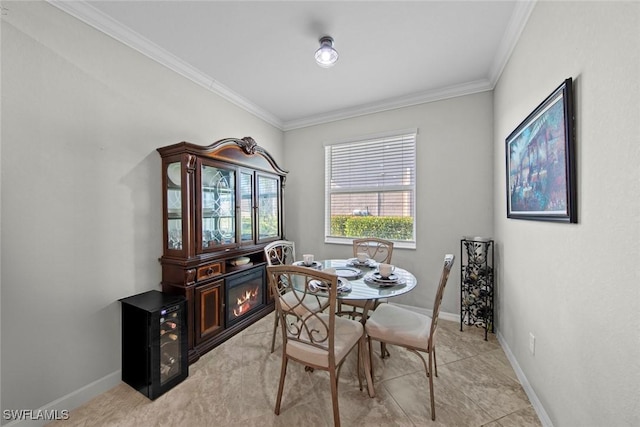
{"x": 210, "y": 271}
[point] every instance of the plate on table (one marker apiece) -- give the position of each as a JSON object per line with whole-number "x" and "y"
{"x": 317, "y": 285}
{"x": 315, "y": 264}
{"x": 377, "y": 279}
{"x": 348, "y": 272}
{"x": 368, "y": 263}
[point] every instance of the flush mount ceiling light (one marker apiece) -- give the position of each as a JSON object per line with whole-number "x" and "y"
{"x": 326, "y": 55}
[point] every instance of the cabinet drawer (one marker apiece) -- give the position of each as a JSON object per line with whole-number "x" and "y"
{"x": 210, "y": 270}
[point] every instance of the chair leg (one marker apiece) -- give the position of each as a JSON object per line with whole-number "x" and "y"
{"x": 283, "y": 373}
{"x": 334, "y": 397}
{"x": 369, "y": 369}
{"x": 383, "y": 350}
{"x": 435, "y": 363}
{"x": 360, "y": 355}
{"x": 275, "y": 330}
{"x": 427, "y": 369}
{"x": 433, "y": 400}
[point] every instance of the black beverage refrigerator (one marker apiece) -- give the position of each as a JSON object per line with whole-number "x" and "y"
{"x": 154, "y": 342}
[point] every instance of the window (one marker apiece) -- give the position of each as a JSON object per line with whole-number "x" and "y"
{"x": 370, "y": 187}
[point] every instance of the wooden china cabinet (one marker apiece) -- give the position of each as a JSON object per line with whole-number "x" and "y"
{"x": 222, "y": 204}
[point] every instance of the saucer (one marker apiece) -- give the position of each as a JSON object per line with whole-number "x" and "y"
{"x": 393, "y": 278}
{"x": 357, "y": 263}
{"x": 315, "y": 264}
{"x": 371, "y": 279}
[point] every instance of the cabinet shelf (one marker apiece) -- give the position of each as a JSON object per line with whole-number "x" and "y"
{"x": 209, "y": 214}
{"x": 210, "y": 189}
{"x": 477, "y": 283}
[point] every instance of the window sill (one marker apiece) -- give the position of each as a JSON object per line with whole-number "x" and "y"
{"x": 347, "y": 241}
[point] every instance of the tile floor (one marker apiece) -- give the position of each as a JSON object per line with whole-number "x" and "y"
{"x": 236, "y": 383}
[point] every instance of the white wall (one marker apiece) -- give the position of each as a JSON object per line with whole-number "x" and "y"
{"x": 82, "y": 116}
{"x": 454, "y": 175}
{"x": 576, "y": 287}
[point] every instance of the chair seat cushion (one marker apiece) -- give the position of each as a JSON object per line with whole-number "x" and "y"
{"x": 396, "y": 325}
{"x": 347, "y": 334}
{"x": 291, "y": 301}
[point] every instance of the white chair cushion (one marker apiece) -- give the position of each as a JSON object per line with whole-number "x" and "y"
{"x": 396, "y": 325}
{"x": 347, "y": 334}
{"x": 309, "y": 302}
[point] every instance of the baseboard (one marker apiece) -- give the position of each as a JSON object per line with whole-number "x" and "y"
{"x": 531, "y": 394}
{"x": 533, "y": 398}
{"x": 69, "y": 402}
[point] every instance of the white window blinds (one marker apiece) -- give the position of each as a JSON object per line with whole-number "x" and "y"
{"x": 370, "y": 188}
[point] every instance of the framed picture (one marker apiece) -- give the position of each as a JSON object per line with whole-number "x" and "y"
{"x": 541, "y": 183}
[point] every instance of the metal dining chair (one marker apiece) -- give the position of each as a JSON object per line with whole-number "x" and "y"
{"x": 415, "y": 332}
{"x": 317, "y": 340}
{"x": 379, "y": 250}
{"x": 283, "y": 252}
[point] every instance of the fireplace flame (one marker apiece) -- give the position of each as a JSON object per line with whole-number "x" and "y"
{"x": 246, "y": 301}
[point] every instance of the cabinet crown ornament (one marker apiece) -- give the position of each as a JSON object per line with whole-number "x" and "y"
{"x": 244, "y": 152}
{"x": 248, "y": 145}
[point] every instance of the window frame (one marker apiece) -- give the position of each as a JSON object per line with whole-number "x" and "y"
{"x": 397, "y": 134}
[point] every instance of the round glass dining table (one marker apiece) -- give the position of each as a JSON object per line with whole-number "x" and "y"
{"x": 363, "y": 283}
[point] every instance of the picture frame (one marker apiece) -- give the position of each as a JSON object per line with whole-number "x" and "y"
{"x": 540, "y": 157}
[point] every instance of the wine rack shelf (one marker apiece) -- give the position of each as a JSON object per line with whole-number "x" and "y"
{"x": 154, "y": 342}
{"x": 477, "y": 283}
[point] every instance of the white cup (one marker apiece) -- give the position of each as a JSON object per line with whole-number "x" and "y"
{"x": 307, "y": 259}
{"x": 386, "y": 270}
{"x": 362, "y": 256}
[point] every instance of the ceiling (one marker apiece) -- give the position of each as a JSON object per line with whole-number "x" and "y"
{"x": 259, "y": 54}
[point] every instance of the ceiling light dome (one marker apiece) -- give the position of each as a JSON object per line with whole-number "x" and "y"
{"x": 326, "y": 55}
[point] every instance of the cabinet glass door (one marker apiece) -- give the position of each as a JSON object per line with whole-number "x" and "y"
{"x": 174, "y": 206}
{"x": 268, "y": 207}
{"x": 246, "y": 207}
{"x": 218, "y": 199}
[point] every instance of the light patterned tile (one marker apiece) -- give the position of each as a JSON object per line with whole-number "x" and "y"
{"x": 525, "y": 417}
{"x": 452, "y": 407}
{"x": 235, "y": 384}
{"x": 494, "y": 392}
{"x": 498, "y": 361}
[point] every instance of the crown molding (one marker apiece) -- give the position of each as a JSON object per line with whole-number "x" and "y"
{"x": 392, "y": 104}
{"x": 88, "y": 14}
{"x": 518, "y": 20}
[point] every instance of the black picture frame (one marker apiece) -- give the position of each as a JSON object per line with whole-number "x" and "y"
{"x": 540, "y": 157}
